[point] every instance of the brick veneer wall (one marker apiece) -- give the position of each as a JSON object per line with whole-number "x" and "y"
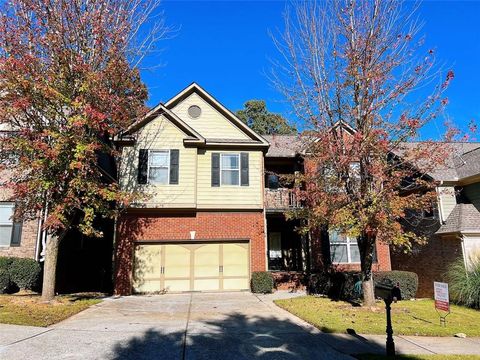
{"x": 27, "y": 244}
{"x": 430, "y": 262}
{"x": 212, "y": 226}
{"x": 318, "y": 244}
{"x": 29, "y": 229}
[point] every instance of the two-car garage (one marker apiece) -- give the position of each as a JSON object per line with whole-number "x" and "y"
{"x": 176, "y": 267}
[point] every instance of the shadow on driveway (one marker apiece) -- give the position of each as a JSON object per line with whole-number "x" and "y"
{"x": 242, "y": 337}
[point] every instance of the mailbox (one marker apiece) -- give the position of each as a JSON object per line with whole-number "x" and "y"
{"x": 388, "y": 291}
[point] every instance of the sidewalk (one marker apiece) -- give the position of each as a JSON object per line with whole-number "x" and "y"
{"x": 375, "y": 344}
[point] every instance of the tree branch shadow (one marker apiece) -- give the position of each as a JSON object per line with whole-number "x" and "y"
{"x": 240, "y": 336}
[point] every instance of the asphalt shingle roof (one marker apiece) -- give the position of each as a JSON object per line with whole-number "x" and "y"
{"x": 463, "y": 218}
{"x": 463, "y": 157}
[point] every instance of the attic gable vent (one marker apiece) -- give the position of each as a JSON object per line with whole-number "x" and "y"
{"x": 194, "y": 111}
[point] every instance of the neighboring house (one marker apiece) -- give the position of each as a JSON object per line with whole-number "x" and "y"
{"x": 287, "y": 250}
{"x": 454, "y": 227}
{"x": 85, "y": 263}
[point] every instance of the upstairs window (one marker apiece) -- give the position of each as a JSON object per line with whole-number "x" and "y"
{"x": 10, "y": 231}
{"x": 158, "y": 166}
{"x": 343, "y": 249}
{"x": 230, "y": 169}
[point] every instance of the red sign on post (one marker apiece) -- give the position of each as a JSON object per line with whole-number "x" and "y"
{"x": 442, "y": 301}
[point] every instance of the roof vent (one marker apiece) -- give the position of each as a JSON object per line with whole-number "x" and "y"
{"x": 194, "y": 111}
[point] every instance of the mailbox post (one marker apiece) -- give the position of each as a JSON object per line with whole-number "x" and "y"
{"x": 389, "y": 293}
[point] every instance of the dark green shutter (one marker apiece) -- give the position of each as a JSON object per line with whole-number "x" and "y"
{"x": 16, "y": 233}
{"x": 215, "y": 169}
{"x": 244, "y": 169}
{"x": 174, "y": 162}
{"x": 142, "y": 166}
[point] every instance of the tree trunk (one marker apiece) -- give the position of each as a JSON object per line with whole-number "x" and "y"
{"x": 368, "y": 292}
{"x": 50, "y": 268}
{"x": 366, "y": 246}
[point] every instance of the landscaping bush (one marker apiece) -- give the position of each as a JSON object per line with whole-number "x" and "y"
{"x": 408, "y": 281}
{"x": 262, "y": 282}
{"x": 6, "y": 262}
{"x": 4, "y": 281}
{"x": 464, "y": 285}
{"x": 23, "y": 273}
{"x": 338, "y": 285}
{"x": 319, "y": 283}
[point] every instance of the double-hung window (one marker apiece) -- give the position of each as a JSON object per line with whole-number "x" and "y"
{"x": 343, "y": 249}
{"x": 10, "y": 231}
{"x": 230, "y": 169}
{"x": 159, "y": 166}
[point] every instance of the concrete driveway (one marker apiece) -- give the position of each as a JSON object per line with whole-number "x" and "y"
{"x": 183, "y": 326}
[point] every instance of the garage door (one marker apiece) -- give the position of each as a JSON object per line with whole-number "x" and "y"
{"x": 191, "y": 267}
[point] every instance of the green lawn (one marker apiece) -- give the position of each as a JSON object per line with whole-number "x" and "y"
{"x": 408, "y": 317}
{"x": 27, "y": 309}
{"x": 419, "y": 357}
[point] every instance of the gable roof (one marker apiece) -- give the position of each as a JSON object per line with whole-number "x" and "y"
{"x": 158, "y": 110}
{"x": 463, "y": 218}
{"x": 195, "y": 88}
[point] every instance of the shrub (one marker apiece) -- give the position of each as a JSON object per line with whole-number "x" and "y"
{"x": 408, "y": 281}
{"x": 464, "y": 285}
{"x": 338, "y": 285}
{"x": 6, "y": 262}
{"x": 23, "y": 273}
{"x": 262, "y": 282}
{"x": 4, "y": 281}
{"x": 319, "y": 283}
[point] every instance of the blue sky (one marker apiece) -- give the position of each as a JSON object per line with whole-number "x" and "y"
{"x": 225, "y": 47}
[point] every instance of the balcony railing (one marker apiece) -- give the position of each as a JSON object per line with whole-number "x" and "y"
{"x": 280, "y": 199}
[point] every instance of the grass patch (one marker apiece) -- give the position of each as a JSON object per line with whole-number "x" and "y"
{"x": 408, "y": 317}
{"x": 418, "y": 357}
{"x": 27, "y": 309}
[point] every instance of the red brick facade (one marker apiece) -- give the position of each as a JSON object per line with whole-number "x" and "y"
{"x": 430, "y": 262}
{"x": 382, "y": 264}
{"x": 214, "y": 226}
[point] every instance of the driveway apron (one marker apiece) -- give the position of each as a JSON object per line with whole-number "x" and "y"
{"x": 172, "y": 326}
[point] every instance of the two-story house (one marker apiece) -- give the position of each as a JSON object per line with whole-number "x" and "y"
{"x": 215, "y": 207}
{"x": 454, "y": 227}
{"x": 201, "y": 225}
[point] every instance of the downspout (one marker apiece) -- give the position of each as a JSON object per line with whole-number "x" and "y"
{"x": 440, "y": 206}
{"x": 464, "y": 252}
{"x": 44, "y": 236}
{"x": 39, "y": 237}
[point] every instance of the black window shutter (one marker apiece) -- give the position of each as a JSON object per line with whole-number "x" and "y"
{"x": 142, "y": 166}
{"x": 174, "y": 162}
{"x": 244, "y": 169}
{"x": 215, "y": 169}
{"x": 16, "y": 233}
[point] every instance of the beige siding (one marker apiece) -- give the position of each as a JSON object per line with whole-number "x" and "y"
{"x": 447, "y": 200}
{"x": 161, "y": 134}
{"x": 471, "y": 248}
{"x": 211, "y": 124}
{"x": 230, "y": 196}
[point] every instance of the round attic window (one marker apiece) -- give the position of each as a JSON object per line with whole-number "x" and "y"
{"x": 194, "y": 111}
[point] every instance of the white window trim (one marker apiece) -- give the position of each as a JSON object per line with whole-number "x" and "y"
{"x": 10, "y": 223}
{"x": 347, "y": 242}
{"x": 239, "y": 169}
{"x": 168, "y": 167}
